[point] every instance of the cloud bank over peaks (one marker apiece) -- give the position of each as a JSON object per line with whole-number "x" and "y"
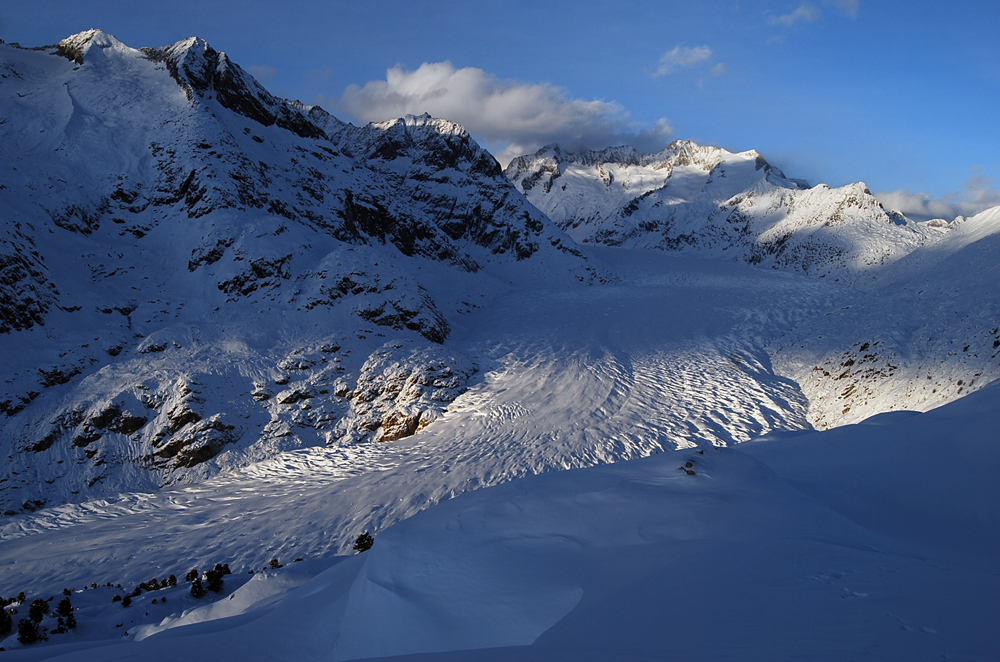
{"x": 980, "y": 193}
{"x": 508, "y": 117}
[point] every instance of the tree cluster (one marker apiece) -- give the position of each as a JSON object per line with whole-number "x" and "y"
{"x": 210, "y": 580}
{"x": 30, "y": 629}
{"x": 364, "y": 542}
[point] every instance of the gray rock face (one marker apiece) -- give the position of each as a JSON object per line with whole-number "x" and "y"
{"x": 402, "y": 389}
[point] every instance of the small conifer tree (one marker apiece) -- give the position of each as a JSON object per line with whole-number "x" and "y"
{"x": 60, "y": 627}
{"x": 64, "y": 608}
{"x": 27, "y": 631}
{"x": 38, "y": 609}
{"x": 192, "y": 575}
{"x": 6, "y": 623}
{"x": 213, "y": 579}
{"x": 197, "y": 590}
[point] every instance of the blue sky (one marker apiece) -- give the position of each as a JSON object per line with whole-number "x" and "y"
{"x": 901, "y": 95}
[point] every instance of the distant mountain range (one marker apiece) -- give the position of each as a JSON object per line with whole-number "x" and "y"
{"x": 712, "y": 202}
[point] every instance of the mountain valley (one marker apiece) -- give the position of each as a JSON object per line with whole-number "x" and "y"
{"x": 236, "y": 328}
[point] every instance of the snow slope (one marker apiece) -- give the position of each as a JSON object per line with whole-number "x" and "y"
{"x": 918, "y": 334}
{"x": 869, "y": 542}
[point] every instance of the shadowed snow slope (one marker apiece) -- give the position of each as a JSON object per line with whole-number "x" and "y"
{"x": 873, "y": 542}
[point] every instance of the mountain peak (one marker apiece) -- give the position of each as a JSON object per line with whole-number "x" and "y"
{"x": 439, "y": 143}
{"x": 202, "y": 70}
{"x": 76, "y": 46}
{"x": 426, "y": 122}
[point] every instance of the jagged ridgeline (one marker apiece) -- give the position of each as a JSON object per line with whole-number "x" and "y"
{"x": 196, "y": 274}
{"x": 715, "y": 203}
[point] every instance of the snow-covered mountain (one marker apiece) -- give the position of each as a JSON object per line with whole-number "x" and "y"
{"x": 712, "y": 202}
{"x": 214, "y": 304}
{"x": 195, "y": 274}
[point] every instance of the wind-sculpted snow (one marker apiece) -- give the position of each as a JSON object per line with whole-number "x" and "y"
{"x": 711, "y": 202}
{"x": 173, "y": 233}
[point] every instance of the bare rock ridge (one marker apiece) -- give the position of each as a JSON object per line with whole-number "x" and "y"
{"x": 196, "y": 274}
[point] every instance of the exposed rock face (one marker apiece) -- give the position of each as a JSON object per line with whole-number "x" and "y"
{"x": 192, "y": 234}
{"x": 25, "y": 294}
{"x": 402, "y": 389}
{"x": 713, "y": 202}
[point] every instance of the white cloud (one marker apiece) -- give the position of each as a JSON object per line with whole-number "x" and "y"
{"x": 980, "y": 193}
{"x": 682, "y": 56}
{"x": 804, "y": 13}
{"x": 718, "y": 69}
{"x": 808, "y": 12}
{"x": 508, "y": 117}
{"x": 847, "y": 7}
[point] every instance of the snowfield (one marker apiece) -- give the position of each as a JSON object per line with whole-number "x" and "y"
{"x": 744, "y": 419}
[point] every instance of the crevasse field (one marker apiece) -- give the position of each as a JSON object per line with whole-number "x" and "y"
{"x": 870, "y": 541}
